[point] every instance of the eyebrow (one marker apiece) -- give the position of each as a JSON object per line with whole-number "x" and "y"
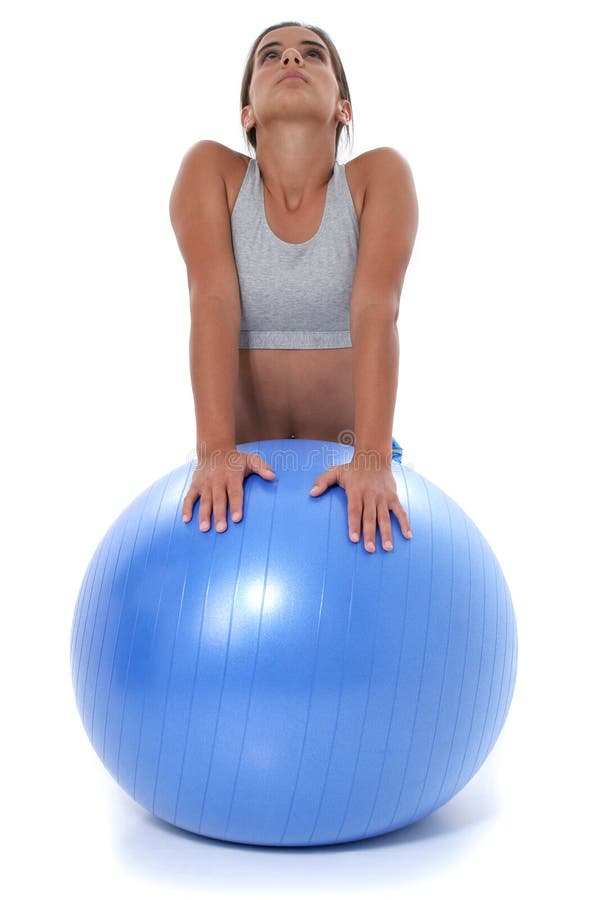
{"x": 279, "y": 44}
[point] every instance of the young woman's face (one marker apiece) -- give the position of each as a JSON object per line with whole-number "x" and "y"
{"x": 299, "y": 50}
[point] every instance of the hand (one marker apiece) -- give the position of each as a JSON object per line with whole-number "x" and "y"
{"x": 371, "y": 494}
{"x": 219, "y": 476}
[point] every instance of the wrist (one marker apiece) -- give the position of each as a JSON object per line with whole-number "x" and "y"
{"x": 214, "y": 442}
{"x": 208, "y": 448}
{"x": 372, "y": 457}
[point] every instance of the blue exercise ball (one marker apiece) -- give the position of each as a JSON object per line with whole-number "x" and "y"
{"x": 276, "y": 683}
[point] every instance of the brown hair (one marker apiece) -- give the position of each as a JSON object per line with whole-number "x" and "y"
{"x": 250, "y": 135}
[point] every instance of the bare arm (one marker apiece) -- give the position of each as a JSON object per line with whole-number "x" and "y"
{"x": 388, "y": 228}
{"x": 202, "y": 224}
{"x": 200, "y": 218}
{"x": 214, "y": 336}
{"x": 375, "y": 380}
{"x": 387, "y": 234}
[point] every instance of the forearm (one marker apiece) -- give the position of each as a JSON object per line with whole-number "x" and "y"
{"x": 375, "y": 356}
{"x": 214, "y": 338}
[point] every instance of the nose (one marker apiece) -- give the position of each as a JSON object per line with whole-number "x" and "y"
{"x": 291, "y": 55}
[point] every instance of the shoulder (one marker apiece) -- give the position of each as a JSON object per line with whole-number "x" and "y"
{"x": 388, "y": 229}
{"x": 390, "y": 188}
{"x": 201, "y": 222}
{"x": 211, "y": 152}
{"x": 220, "y": 161}
{"x": 380, "y": 166}
{"x": 383, "y": 163}
{"x": 390, "y": 214}
{"x": 211, "y": 157}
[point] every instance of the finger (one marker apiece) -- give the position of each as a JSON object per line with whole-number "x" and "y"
{"x": 205, "y": 510}
{"x": 235, "y": 495}
{"x": 324, "y": 480}
{"x": 354, "y": 517}
{"x": 385, "y": 526}
{"x": 369, "y": 522}
{"x": 400, "y": 514}
{"x": 261, "y": 467}
{"x": 188, "y": 504}
{"x": 220, "y": 507}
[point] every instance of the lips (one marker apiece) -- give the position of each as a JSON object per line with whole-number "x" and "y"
{"x": 294, "y": 75}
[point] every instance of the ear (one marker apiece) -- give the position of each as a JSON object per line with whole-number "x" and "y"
{"x": 344, "y": 113}
{"x": 247, "y": 116}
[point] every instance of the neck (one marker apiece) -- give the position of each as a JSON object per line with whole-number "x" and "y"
{"x": 294, "y": 169}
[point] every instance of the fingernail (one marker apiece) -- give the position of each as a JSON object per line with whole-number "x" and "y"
{"x": 354, "y": 536}
{"x": 370, "y": 545}
{"x": 236, "y": 517}
{"x": 409, "y": 533}
{"x": 388, "y": 545}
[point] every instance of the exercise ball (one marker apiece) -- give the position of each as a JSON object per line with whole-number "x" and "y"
{"x": 277, "y": 684}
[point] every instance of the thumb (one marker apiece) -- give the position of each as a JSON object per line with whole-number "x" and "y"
{"x": 261, "y": 467}
{"x": 324, "y": 480}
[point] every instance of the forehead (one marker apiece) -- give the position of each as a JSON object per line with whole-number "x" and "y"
{"x": 291, "y": 36}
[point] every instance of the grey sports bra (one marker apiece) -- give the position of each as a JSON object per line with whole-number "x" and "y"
{"x": 295, "y": 296}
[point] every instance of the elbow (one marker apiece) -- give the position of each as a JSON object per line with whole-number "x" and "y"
{"x": 375, "y": 316}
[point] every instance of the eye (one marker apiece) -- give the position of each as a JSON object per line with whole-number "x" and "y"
{"x": 312, "y": 50}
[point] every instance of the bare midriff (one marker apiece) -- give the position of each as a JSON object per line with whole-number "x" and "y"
{"x": 294, "y": 393}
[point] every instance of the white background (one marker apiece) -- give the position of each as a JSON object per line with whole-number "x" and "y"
{"x": 494, "y": 105}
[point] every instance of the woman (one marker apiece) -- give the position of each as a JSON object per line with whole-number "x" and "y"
{"x": 295, "y": 266}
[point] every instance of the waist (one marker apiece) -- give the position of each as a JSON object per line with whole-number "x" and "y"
{"x": 296, "y": 391}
